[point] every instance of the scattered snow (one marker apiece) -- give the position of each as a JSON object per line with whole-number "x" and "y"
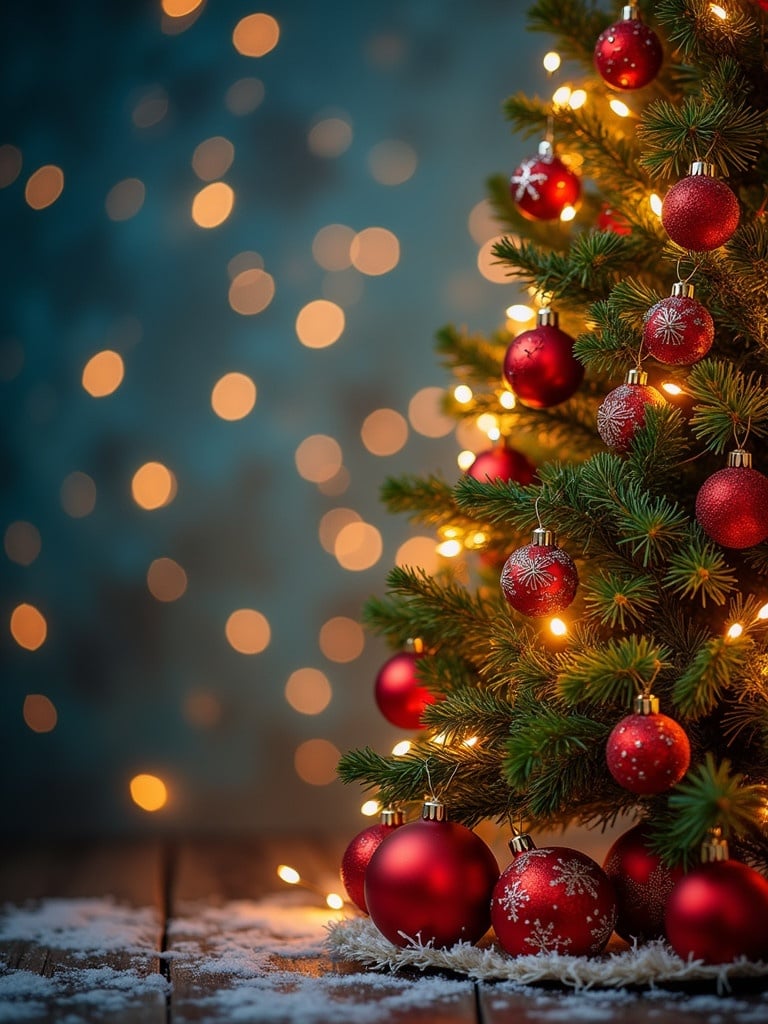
{"x": 82, "y": 926}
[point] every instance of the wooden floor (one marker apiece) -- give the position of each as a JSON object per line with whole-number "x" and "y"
{"x": 204, "y": 931}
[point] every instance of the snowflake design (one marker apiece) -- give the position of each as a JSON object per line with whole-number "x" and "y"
{"x": 576, "y": 876}
{"x": 526, "y": 180}
{"x": 603, "y": 930}
{"x": 543, "y": 939}
{"x": 613, "y": 418}
{"x": 514, "y": 899}
{"x": 669, "y": 326}
{"x": 533, "y": 574}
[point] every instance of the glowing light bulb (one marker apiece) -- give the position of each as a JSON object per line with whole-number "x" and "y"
{"x": 551, "y": 61}
{"x": 471, "y": 742}
{"x": 568, "y": 213}
{"x": 718, "y": 11}
{"x": 463, "y": 394}
{"x": 440, "y": 739}
{"x": 465, "y": 459}
{"x": 401, "y": 749}
{"x": 507, "y": 400}
{"x": 449, "y": 548}
{"x": 520, "y": 313}
{"x": 763, "y": 613}
{"x": 620, "y": 108}
{"x": 735, "y": 631}
{"x": 561, "y": 96}
{"x": 334, "y": 901}
{"x": 655, "y": 202}
{"x": 557, "y": 627}
{"x": 370, "y": 807}
{"x": 671, "y": 388}
{"x": 577, "y": 99}
{"x": 288, "y": 874}
{"x": 487, "y": 423}
{"x": 478, "y": 539}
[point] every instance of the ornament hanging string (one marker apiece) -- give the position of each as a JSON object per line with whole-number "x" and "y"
{"x": 432, "y": 792}
{"x": 740, "y": 444}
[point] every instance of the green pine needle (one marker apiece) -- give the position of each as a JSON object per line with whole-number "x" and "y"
{"x": 612, "y": 673}
{"x": 700, "y": 571}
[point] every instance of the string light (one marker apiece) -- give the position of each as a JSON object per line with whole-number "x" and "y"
{"x": 334, "y": 901}
{"x": 507, "y": 400}
{"x": 551, "y": 61}
{"x": 520, "y": 313}
{"x": 488, "y": 424}
{"x": 440, "y": 739}
{"x": 557, "y": 627}
{"x": 561, "y": 96}
{"x": 449, "y": 548}
{"x": 463, "y": 394}
{"x": 568, "y": 213}
{"x": 620, "y": 108}
{"x": 577, "y": 99}
{"x": 734, "y": 631}
{"x": 655, "y": 202}
{"x": 291, "y": 876}
{"x": 763, "y": 613}
{"x": 371, "y": 807}
{"x": 401, "y": 749}
{"x": 471, "y": 742}
{"x": 671, "y": 388}
{"x": 288, "y": 874}
{"x": 718, "y": 11}
{"x": 465, "y": 459}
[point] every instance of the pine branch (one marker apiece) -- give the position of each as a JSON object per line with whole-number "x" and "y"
{"x": 613, "y": 673}
{"x": 727, "y": 400}
{"x": 576, "y": 25}
{"x": 620, "y": 600}
{"x": 703, "y": 39}
{"x": 474, "y": 356}
{"x": 699, "y": 571}
{"x": 428, "y": 500}
{"x": 715, "y": 668}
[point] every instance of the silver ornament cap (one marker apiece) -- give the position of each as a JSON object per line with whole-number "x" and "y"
{"x": 521, "y": 843}
{"x": 391, "y": 816}
{"x": 541, "y": 537}
{"x": 433, "y": 810}
{"x": 547, "y": 317}
{"x": 646, "y": 704}
{"x": 636, "y": 376}
{"x": 682, "y": 289}
{"x": 702, "y": 169}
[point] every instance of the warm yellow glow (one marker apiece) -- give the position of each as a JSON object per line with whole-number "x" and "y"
{"x": 44, "y": 186}
{"x": 763, "y": 613}
{"x": 577, "y": 99}
{"x": 507, "y": 400}
{"x": 471, "y": 742}
{"x": 568, "y": 213}
{"x": 255, "y": 35}
{"x": 318, "y": 458}
{"x": 103, "y": 373}
{"x": 330, "y": 137}
{"x": 125, "y": 199}
{"x": 426, "y": 414}
{"x": 418, "y": 551}
{"x": 735, "y": 631}
{"x": 463, "y": 394}
{"x": 718, "y": 11}
{"x": 248, "y": 631}
{"x": 465, "y": 459}
{"x": 401, "y": 749}
{"x": 166, "y": 580}
{"x": 251, "y": 291}
{"x": 153, "y": 485}
{"x": 558, "y": 627}
{"x": 320, "y": 323}
{"x": 334, "y": 901}
{"x": 370, "y": 807}
{"x": 476, "y": 540}
{"x": 655, "y": 202}
{"x": 233, "y": 396}
{"x": 212, "y": 205}
{"x": 551, "y": 61}
{"x": 384, "y": 432}
{"x": 308, "y": 691}
{"x": 28, "y": 627}
{"x": 341, "y": 639}
{"x": 489, "y": 265}
{"x": 288, "y": 874}
{"x": 488, "y": 423}
{"x": 180, "y": 8}
{"x": 392, "y": 162}
{"x": 39, "y": 713}
{"x": 148, "y": 792}
{"x": 332, "y": 523}
{"x": 440, "y": 739}
{"x": 482, "y": 222}
{"x": 619, "y": 108}
{"x": 520, "y": 313}
{"x": 449, "y": 548}
{"x": 358, "y": 546}
{"x": 213, "y": 158}
{"x": 330, "y": 246}
{"x": 315, "y": 762}
{"x": 374, "y": 251}
{"x": 671, "y": 388}
{"x": 561, "y": 96}
{"x": 22, "y": 542}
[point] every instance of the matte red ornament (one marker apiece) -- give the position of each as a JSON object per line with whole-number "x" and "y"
{"x": 400, "y": 695}
{"x": 732, "y": 504}
{"x": 540, "y": 578}
{"x": 358, "y": 853}
{"x": 622, "y": 412}
{"x": 700, "y": 212}
{"x": 678, "y": 330}
{"x": 431, "y": 881}
{"x": 552, "y": 900}
{"x": 628, "y": 53}
{"x": 543, "y": 186}
{"x": 539, "y": 365}
{"x": 647, "y": 752}
{"x": 502, "y": 463}
{"x": 610, "y": 220}
{"x": 642, "y": 882}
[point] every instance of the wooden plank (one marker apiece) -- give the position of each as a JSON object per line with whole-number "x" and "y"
{"x": 80, "y": 933}
{"x": 242, "y": 944}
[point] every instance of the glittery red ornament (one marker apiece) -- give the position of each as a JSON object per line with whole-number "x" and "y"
{"x": 400, "y": 695}
{"x": 622, "y": 412}
{"x": 358, "y": 853}
{"x": 678, "y": 330}
{"x": 628, "y": 53}
{"x": 552, "y": 900}
{"x": 540, "y": 578}
{"x": 431, "y": 881}
{"x": 642, "y": 883}
{"x": 542, "y": 186}
{"x": 718, "y": 912}
{"x": 609, "y": 220}
{"x": 700, "y": 212}
{"x": 647, "y": 752}
{"x": 539, "y": 365}
{"x": 732, "y": 504}
{"x": 502, "y": 463}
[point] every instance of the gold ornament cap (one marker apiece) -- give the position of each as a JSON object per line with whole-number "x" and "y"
{"x": 521, "y": 843}
{"x": 646, "y": 704}
{"x": 636, "y": 376}
{"x": 414, "y": 645}
{"x": 702, "y": 169}
{"x": 547, "y": 317}
{"x": 682, "y": 289}
{"x": 714, "y": 848}
{"x": 739, "y": 459}
{"x": 541, "y": 537}
{"x": 433, "y": 810}
{"x": 391, "y": 816}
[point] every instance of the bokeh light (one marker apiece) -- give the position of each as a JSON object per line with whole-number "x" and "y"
{"x": 320, "y": 323}
{"x": 125, "y": 199}
{"x": 392, "y": 162}
{"x": 482, "y": 222}
{"x": 358, "y": 546}
{"x": 213, "y": 204}
{"x": 374, "y": 251}
{"x": 330, "y": 247}
{"x": 78, "y": 494}
{"x": 148, "y": 792}
{"x": 244, "y": 96}
{"x": 418, "y": 552}
{"x": 489, "y": 265}
{"x": 213, "y": 158}
{"x": 233, "y": 396}
{"x": 255, "y": 35}
{"x": 426, "y": 414}
{"x": 315, "y": 762}
{"x": 153, "y": 485}
{"x": 308, "y": 691}
{"x": 28, "y": 627}
{"x": 103, "y": 373}
{"x": 251, "y": 291}
{"x": 151, "y": 108}
{"x": 40, "y": 714}
{"x": 341, "y": 639}
{"x": 44, "y": 186}
{"x": 318, "y": 458}
{"x": 180, "y": 8}
{"x": 384, "y": 432}
{"x": 332, "y": 523}
{"x": 166, "y": 579}
{"x": 22, "y": 542}
{"x": 248, "y": 631}
{"x": 330, "y": 137}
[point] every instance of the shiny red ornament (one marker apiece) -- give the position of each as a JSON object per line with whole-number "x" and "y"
{"x": 552, "y": 900}
{"x": 628, "y": 53}
{"x": 359, "y": 851}
{"x": 400, "y": 695}
{"x": 543, "y": 186}
{"x": 642, "y": 882}
{"x": 539, "y": 365}
{"x": 732, "y": 504}
{"x": 502, "y": 463}
{"x": 647, "y": 752}
{"x": 540, "y": 578}
{"x": 718, "y": 912}
{"x": 610, "y": 220}
{"x": 431, "y": 881}
{"x": 700, "y": 212}
{"x": 678, "y": 330}
{"x": 622, "y": 412}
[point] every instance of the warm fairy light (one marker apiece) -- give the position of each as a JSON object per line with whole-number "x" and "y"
{"x": 334, "y": 901}
{"x": 255, "y": 35}
{"x": 471, "y": 742}
{"x": 148, "y": 792}
{"x": 551, "y": 61}
{"x": 465, "y": 459}
{"x": 213, "y": 204}
{"x": 450, "y": 532}
{"x": 288, "y": 874}
{"x": 44, "y": 186}
{"x": 561, "y": 96}
{"x": 449, "y": 548}
{"x": 401, "y": 749}
{"x": 558, "y": 627}
{"x": 463, "y": 394}
{"x": 320, "y": 323}
{"x": 568, "y": 213}
{"x": 370, "y": 808}
{"x": 233, "y": 396}
{"x": 28, "y": 627}
{"x": 620, "y": 108}
{"x": 40, "y": 714}
{"x": 251, "y": 291}
{"x": 441, "y": 739}
{"x": 671, "y": 388}
{"x": 153, "y": 485}
{"x": 735, "y": 631}
{"x": 763, "y": 613}
{"x": 103, "y": 373}
{"x": 520, "y": 313}
{"x": 577, "y": 99}
{"x": 718, "y": 11}
{"x": 248, "y": 631}
{"x": 655, "y": 201}
{"x": 488, "y": 424}
{"x": 476, "y": 540}
{"x": 507, "y": 400}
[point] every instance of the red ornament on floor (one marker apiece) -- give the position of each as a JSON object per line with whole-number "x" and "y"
{"x": 628, "y": 53}
{"x": 542, "y": 186}
{"x": 358, "y": 853}
{"x": 678, "y": 330}
{"x": 647, "y": 752}
{"x": 539, "y": 365}
{"x": 400, "y": 695}
{"x": 732, "y": 504}
{"x": 431, "y": 881}
{"x": 719, "y": 910}
{"x": 552, "y": 900}
{"x": 643, "y": 884}
{"x": 502, "y": 463}
{"x": 622, "y": 412}
{"x": 540, "y": 578}
{"x": 700, "y": 212}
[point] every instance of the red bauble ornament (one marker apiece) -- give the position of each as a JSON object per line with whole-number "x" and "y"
{"x": 622, "y": 412}
{"x": 700, "y": 212}
{"x": 539, "y": 365}
{"x": 502, "y": 463}
{"x": 732, "y": 504}
{"x": 358, "y": 853}
{"x": 628, "y": 54}
{"x": 609, "y": 220}
{"x": 400, "y": 695}
{"x": 678, "y": 330}
{"x": 647, "y": 752}
{"x": 642, "y": 883}
{"x": 540, "y": 578}
{"x": 542, "y": 186}
{"x": 552, "y": 900}
{"x": 431, "y": 880}
{"x": 719, "y": 910}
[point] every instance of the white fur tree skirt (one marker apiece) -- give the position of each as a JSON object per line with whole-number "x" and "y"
{"x": 654, "y": 963}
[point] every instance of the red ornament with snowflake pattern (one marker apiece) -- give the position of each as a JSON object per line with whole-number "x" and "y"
{"x": 540, "y": 578}
{"x": 552, "y": 900}
{"x": 732, "y": 504}
{"x": 678, "y": 330}
{"x": 622, "y": 412}
{"x": 628, "y": 53}
{"x": 359, "y": 851}
{"x": 647, "y": 752}
{"x": 700, "y": 212}
{"x": 543, "y": 186}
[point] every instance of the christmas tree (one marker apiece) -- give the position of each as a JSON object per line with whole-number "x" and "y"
{"x": 598, "y": 651}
